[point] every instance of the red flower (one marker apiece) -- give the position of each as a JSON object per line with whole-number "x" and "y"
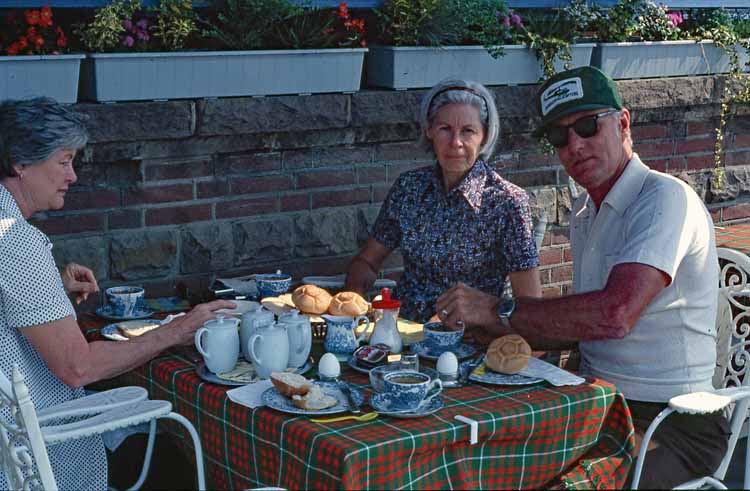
{"x": 62, "y": 41}
{"x": 363, "y": 43}
{"x": 31, "y": 31}
{"x": 38, "y": 40}
{"x": 23, "y": 42}
{"x": 32, "y": 17}
{"x": 13, "y": 49}
{"x": 46, "y": 17}
{"x": 343, "y": 10}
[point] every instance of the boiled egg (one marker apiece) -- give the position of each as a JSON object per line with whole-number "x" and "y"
{"x": 447, "y": 364}
{"x": 328, "y": 366}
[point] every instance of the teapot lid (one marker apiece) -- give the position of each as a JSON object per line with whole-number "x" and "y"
{"x": 222, "y": 320}
{"x": 386, "y": 302}
{"x": 293, "y": 315}
{"x": 260, "y": 313}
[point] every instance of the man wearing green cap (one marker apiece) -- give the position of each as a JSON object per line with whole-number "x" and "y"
{"x": 645, "y": 279}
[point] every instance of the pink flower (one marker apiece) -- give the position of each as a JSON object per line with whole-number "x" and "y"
{"x": 142, "y": 35}
{"x": 505, "y": 20}
{"x": 142, "y": 24}
{"x": 675, "y": 18}
{"x": 128, "y": 41}
{"x": 127, "y": 24}
{"x": 515, "y": 20}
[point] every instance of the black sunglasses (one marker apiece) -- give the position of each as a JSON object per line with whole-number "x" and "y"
{"x": 585, "y": 127}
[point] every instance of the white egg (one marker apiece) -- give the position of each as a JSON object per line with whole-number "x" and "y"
{"x": 447, "y": 364}
{"x": 328, "y": 366}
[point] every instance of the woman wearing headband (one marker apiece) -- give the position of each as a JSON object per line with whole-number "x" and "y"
{"x": 457, "y": 221}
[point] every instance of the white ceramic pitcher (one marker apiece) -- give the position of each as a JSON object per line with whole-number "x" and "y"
{"x": 219, "y": 343}
{"x": 269, "y": 349}
{"x": 299, "y": 332}
{"x": 252, "y": 320}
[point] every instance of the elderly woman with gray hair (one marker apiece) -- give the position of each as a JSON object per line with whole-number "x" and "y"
{"x": 39, "y": 140}
{"x": 457, "y": 221}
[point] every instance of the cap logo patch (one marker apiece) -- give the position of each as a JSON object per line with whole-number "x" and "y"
{"x": 561, "y": 92}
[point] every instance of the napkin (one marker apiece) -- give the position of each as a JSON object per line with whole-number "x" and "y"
{"x": 551, "y": 373}
{"x": 249, "y": 395}
{"x": 242, "y": 285}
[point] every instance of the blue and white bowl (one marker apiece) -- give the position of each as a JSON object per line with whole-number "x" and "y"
{"x": 439, "y": 339}
{"x": 272, "y": 284}
{"x": 407, "y": 396}
{"x": 122, "y": 301}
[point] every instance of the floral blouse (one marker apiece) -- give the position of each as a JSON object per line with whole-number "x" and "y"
{"x": 476, "y": 234}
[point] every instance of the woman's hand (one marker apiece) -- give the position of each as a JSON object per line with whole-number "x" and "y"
{"x": 184, "y": 327}
{"x": 79, "y": 280}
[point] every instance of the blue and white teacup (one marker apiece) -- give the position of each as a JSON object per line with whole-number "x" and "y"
{"x": 408, "y": 389}
{"x": 438, "y": 338}
{"x": 272, "y": 284}
{"x": 123, "y": 300}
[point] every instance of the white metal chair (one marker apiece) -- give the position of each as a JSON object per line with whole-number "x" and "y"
{"x": 24, "y": 440}
{"x": 731, "y": 378}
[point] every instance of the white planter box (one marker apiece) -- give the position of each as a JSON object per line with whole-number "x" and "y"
{"x": 661, "y": 59}
{"x": 407, "y": 67}
{"x": 56, "y": 76}
{"x": 185, "y": 75}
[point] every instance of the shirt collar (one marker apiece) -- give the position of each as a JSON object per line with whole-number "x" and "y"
{"x": 625, "y": 189}
{"x": 8, "y": 203}
{"x": 471, "y": 185}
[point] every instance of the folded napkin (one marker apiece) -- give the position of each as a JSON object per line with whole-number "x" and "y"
{"x": 551, "y": 373}
{"x": 249, "y": 395}
{"x": 242, "y": 285}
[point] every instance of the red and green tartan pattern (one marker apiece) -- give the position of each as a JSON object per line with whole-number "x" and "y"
{"x": 529, "y": 436}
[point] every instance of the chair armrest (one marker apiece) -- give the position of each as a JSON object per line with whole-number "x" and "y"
{"x": 120, "y": 417}
{"x": 94, "y": 403}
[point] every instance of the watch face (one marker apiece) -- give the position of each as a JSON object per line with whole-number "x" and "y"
{"x": 505, "y": 309}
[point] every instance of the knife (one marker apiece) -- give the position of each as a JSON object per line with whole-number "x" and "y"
{"x": 353, "y": 404}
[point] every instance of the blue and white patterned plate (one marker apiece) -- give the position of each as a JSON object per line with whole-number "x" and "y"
{"x": 248, "y": 377}
{"x": 462, "y": 351}
{"x": 140, "y": 312}
{"x": 381, "y": 403}
{"x": 271, "y": 398}
{"x": 486, "y": 376}
{"x": 110, "y": 331}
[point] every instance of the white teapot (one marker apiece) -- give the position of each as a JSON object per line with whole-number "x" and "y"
{"x": 299, "y": 332}
{"x": 269, "y": 349}
{"x": 219, "y": 343}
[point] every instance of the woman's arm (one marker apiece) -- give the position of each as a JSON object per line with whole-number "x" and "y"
{"x": 526, "y": 283}
{"x": 77, "y": 362}
{"x": 364, "y": 267}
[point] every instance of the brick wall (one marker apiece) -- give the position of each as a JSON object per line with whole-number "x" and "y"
{"x": 173, "y": 194}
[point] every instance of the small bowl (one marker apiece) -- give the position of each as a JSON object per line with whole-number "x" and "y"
{"x": 272, "y": 284}
{"x": 437, "y": 337}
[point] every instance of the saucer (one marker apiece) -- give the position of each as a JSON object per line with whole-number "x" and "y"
{"x": 247, "y": 375}
{"x": 140, "y": 312}
{"x": 271, "y": 398}
{"x": 110, "y": 331}
{"x": 462, "y": 351}
{"x": 381, "y": 404}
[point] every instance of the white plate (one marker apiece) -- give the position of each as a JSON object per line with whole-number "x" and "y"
{"x": 242, "y": 307}
{"x": 462, "y": 351}
{"x": 210, "y": 376}
{"x": 274, "y": 400}
{"x": 495, "y": 378}
{"x": 110, "y": 331}
{"x": 380, "y": 403}
{"x": 139, "y": 313}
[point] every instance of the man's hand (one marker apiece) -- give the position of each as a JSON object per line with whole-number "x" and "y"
{"x": 463, "y": 306}
{"x": 79, "y": 280}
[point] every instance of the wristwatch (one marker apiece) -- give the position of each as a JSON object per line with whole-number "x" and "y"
{"x": 504, "y": 310}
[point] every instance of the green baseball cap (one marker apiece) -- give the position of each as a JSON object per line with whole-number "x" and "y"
{"x": 579, "y": 89}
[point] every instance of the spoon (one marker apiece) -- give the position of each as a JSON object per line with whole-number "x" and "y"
{"x": 362, "y": 417}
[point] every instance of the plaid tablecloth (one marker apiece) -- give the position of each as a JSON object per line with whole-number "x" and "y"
{"x": 529, "y": 437}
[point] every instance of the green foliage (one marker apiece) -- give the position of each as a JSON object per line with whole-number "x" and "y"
{"x": 311, "y": 29}
{"x": 250, "y": 24}
{"x": 175, "y": 22}
{"x": 103, "y": 33}
{"x": 636, "y": 19}
{"x": 410, "y": 22}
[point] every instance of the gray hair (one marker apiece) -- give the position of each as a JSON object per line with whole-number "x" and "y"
{"x": 460, "y": 92}
{"x": 32, "y": 130}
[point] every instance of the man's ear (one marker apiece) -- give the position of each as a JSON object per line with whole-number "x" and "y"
{"x": 624, "y": 120}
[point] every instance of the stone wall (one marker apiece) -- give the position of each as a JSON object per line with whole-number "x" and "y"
{"x": 173, "y": 194}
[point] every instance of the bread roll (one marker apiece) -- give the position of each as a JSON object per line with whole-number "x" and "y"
{"x": 290, "y": 384}
{"x": 508, "y": 354}
{"x": 348, "y": 303}
{"x": 133, "y": 329}
{"x": 311, "y": 299}
{"x": 314, "y": 400}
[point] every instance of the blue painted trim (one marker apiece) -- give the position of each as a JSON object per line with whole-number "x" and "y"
{"x": 375, "y": 3}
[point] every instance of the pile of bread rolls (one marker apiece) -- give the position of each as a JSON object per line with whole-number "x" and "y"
{"x": 508, "y": 354}
{"x": 312, "y": 299}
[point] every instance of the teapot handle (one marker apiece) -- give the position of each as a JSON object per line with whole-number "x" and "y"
{"x": 251, "y": 349}
{"x": 364, "y": 331}
{"x": 198, "y": 344}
